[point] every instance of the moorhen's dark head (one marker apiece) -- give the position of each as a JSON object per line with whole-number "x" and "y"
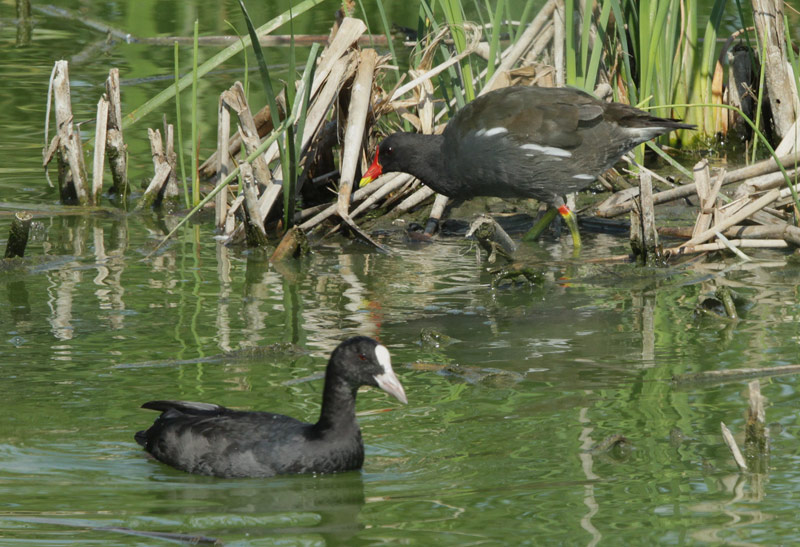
{"x": 361, "y": 361}
{"x": 393, "y": 154}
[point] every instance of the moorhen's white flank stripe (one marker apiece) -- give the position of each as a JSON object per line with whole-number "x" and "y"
{"x": 491, "y": 132}
{"x": 548, "y": 150}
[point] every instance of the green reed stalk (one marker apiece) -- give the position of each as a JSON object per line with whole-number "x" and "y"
{"x": 569, "y": 47}
{"x": 494, "y": 41}
{"x": 195, "y": 123}
{"x": 593, "y": 66}
{"x": 179, "y": 130}
{"x": 387, "y": 29}
{"x": 454, "y": 15}
{"x": 290, "y": 166}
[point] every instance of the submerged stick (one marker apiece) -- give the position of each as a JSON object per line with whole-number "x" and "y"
{"x": 18, "y": 235}
{"x": 293, "y": 244}
{"x": 727, "y": 436}
{"x": 756, "y": 432}
{"x": 735, "y": 374}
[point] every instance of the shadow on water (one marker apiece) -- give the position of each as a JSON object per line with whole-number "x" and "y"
{"x": 327, "y": 506}
{"x": 323, "y": 507}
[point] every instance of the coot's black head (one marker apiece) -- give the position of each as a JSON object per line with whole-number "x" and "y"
{"x": 361, "y": 361}
{"x": 395, "y": 153}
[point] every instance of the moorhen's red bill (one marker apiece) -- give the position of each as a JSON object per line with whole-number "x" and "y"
{"x": 522, "y": 142}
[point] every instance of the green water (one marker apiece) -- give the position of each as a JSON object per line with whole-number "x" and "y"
{"x": 495, "y": 445}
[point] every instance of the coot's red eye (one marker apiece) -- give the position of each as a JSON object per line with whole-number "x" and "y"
{"x": 362, "y": 356}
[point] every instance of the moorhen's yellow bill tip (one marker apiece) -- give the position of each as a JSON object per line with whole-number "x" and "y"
{"x": 375, "y": 170}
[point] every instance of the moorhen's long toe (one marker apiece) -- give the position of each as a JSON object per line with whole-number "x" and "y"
{"x": 210, "y": 439}
{"x": 522, "y": 142}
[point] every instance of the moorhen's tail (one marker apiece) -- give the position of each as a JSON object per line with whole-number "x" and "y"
{"x": 642, "y": 127}
{"x": 631, "y": 117}
{"x": 669, "y": 124}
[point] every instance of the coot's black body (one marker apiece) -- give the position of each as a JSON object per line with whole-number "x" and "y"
{"x": 209, "y": 439}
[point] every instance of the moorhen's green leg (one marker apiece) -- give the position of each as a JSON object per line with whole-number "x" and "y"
{"x": 572, "y": 221}
{"x": 547, "y": 218}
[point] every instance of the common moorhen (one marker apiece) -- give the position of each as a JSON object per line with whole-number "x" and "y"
{"x": 522, "y": 142}
{"x": 209, "y": 439}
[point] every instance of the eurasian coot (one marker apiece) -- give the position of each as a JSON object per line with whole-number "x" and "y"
{"x": 522, "y": 142}
{"x": 210, "y": 439}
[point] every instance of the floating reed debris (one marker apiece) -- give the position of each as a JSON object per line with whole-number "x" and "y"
{"x": 492, "y": 239}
